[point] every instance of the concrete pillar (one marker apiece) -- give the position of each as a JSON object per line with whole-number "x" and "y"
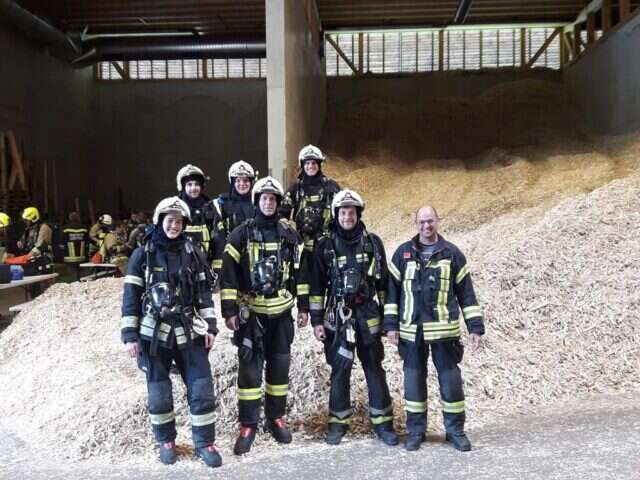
{"x": 296, "y": 84}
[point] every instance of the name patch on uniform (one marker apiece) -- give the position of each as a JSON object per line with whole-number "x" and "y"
{"x": 406, "y": 255}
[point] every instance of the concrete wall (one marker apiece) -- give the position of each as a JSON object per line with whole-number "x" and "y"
{"x": 296, "y": 85}
{"x": 47, "y": 105}
{"x": 145, "y": 131}
{"x": 604, "y": 83}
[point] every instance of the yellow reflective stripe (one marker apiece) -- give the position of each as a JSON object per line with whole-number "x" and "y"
{"x": 381, "y": 296}
{"x": 249, "y": 394}
{"x": 373, "y": 322}
{"x": 408, "y": 294}
{"x": 453, "y": 407}
{"x": 75, "y": 230}
{"x": 394, "y": 271}
{"x": 302, "y": 289}
{"x": 415, "y": 407}
{"x": 129, "y": 321}
{"x": 228, "y": 294}
{"x": 217, "y": 263}
{"x": 277, "y": 390}
{"x": 339, "y": 420}
{"x": 372, "y": 267}
{"x": 461, "y": 274}
{"x": 316, "y": 302}
{"x": 379, "y": 420}
{"x": 271, "y": 246}
{"x": 72, "y": 249}
{"x": 443, "y": 293}
{"x": 134, "y": 280}
{"x": 391, "y": 309}
{"x": 202, "y": 420}
{"x": 231, "y": 250}
{"x": 162, "y": 418}
{"x": 471, "y": 312}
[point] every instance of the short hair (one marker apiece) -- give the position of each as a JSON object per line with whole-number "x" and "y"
{"x": 435, "y": 212}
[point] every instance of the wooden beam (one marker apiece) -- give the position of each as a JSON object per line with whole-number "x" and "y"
{"x": 17, "y": 166}
{"x": 333, "y": 43}
{"x": 121, "y": 71}
{"x": 440, "y": 49}
{"x": 606, "y": 15}
{"x": 567, "y": 46}
{"x": 591, "y": 28}
{"x": 361, "y": 52}
{"x": 576, "y": 40}
{"x": 46, "y": 185}
{"x": 3, "y": 165}
{"x": 625, "y": 10}
{"x": 544, "y": 46}
{"x": 523, "y": 47}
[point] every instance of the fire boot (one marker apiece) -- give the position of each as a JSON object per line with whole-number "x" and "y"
{"x": 168, "y": 453}
{"x": 278, "y": 430}
{"x": 459, "y": 441}
{"x": 413, "y": 441}
{"x": 335, "y": 433}
{"x": 209, "y": 455}
{"x": 245, "y": 439}
{"x": 386, "y": 434}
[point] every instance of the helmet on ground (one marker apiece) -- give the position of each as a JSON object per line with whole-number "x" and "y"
{"x": 310, "y": 152}
{"x": 267, "y": 185}
{"x": 241, "y": 169}
{"x": 4, "y": 220}
{"x": 31, "y": 213}
{"x": 106, "y": 220}
{"x": 187, "y": 173}
{"x": 346, "y": 198}
{"x": 171, "y": 205}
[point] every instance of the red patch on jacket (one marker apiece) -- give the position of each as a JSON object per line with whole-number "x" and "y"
{"x": 406, "y": 255}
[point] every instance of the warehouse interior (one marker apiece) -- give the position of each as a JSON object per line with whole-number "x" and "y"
{"x": 518, "y": 119}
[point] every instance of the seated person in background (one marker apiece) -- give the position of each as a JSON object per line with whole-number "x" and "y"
{"x": 99, "y": 231}
{"x": 114, "y": 248}
{"x": 37, "y": 236}
{"x": 4, "y": 223}
{"x": 137, "y": 234}
{"x": 76, "y": 240}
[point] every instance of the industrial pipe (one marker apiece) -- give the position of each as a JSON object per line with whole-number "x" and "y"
{"x": 461, "y": 12}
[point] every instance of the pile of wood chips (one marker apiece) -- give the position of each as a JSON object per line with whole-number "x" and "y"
{"x": 560, "y": 293}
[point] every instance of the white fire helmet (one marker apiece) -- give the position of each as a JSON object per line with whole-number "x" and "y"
{"x": 241, "y": 169}
{"x": 310, "y": 152}
{"x": 267, "y": 185}
{"x": 173, "y": 205}
{"x": 189, "y": 171}
{"x": 346, "y": 198}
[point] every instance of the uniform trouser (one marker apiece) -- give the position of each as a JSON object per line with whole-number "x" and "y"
{"x": 274, "y": 350}
{"x": 446, "y": 356}
{"x": 193, "y": 364}
{"x": 371, "y": 356}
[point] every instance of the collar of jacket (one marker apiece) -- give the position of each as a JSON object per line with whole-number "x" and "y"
{"x": 415, "y": 244}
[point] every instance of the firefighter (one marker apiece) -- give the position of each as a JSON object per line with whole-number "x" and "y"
{"x": 308, "y": 201}
{"x": 190, "y": 183}
{"x": 260, "y": 278}
{"x": 114, "y": 248}
{"x": 37, "y": 237}
{"x": 233, "y": 208}
{"x": 429, "y": 283}
{"x": 346, "y": 298}
{"x": 76, "y": 240}
{"x": 168, "y": 316}
{"x": 98, "y": 231}
{"x": 137, "y": 235}
{"x": 5, "y": 220}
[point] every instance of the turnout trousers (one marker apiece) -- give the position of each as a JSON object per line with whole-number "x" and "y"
{"x": 371, "y": 356}
{"x": 267, "y": 348}
{"x": 446, "y": 357}
{"x": 194, "y": 367}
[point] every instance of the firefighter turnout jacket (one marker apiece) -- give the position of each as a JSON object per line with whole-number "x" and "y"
{"x": 251, "y": 250}
{"x": 201, "y": 225}
{"x": 76, "y": 243}
{"x": 230, "y": 210}
{"x": 430, "y": 293}
{"x": 183, "y": 269}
